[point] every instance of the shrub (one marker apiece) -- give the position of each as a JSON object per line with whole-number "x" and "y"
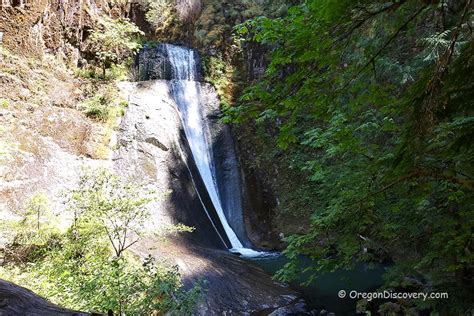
{"x": 105, "y": 106}
{"x": 97, "y": 107}
{"x": 113, "y": 41}
{"x": 4, "y": 103}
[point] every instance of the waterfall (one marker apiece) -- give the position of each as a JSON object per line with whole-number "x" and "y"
{"x": 187, "y": 94}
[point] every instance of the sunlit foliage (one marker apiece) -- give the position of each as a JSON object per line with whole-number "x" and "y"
{"x": 113, "y": 40}
{"x": 87, "y": 267}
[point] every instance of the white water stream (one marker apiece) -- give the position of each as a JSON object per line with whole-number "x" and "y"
{"x": 187, "y": 94}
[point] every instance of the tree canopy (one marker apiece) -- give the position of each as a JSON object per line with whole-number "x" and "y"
{"x": 113, "y": 40}
{"x": 372, "y": 102}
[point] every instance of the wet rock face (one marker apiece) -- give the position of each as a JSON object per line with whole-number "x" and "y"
{"x": 152, "y": 63}
{"x": 228, "y": 171}
{"x": 16, "y": 300}
{"x": 259, "y": 207}
{"x": 151, "y": 147}
{"x": 255, "y": 60}
{"x": 147, "y": 133}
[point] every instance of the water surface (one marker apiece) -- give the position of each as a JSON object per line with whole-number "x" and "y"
{"x": 323, "y": 292}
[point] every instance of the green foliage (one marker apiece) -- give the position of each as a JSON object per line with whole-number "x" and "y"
{"x": 79, "y": 273}
{"x": 168, "y": 23}
{"x": 77, "y": 270}
{"x": 38, "y": 222}
{"x": 27, "y": 234}
{"x": 4, "y": 103}
{"x": 118, "y": 72}
{"x": 104, "y": 106}
{"x": 87, "y": 73}
{"x": 118, "y": 208}
{"x": 215, "y": 24}
{"x": 211, "y": 20}
{"x": 97, "y": 108}
{"x": 220, "y": 73}
{"x": 369, "y": 102}
{"x": 113, "y": 41}
{"x": 159, "y": 12}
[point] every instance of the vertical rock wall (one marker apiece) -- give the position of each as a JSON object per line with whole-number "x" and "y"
{"x": 54, "y": 26}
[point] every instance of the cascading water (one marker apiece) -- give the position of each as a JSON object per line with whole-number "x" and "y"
{"x": 187, "y": 94}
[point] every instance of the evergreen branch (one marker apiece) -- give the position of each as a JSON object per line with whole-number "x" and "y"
{"x": 434, "y": 84}
{"x": 387, "y": 43}
{"x": 392, "y": 7}
{"x": 426, "y": 174}
{"x": 448, "y": 55}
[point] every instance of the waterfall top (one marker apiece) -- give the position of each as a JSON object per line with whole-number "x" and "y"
{"x": 168, "y": 62}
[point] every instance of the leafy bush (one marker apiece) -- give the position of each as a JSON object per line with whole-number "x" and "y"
{"x": 4, "y": 103}
{"x": 87, "y": 73}
{"x": 220, "y": 73}
{"x": 105, "y": 105}
{"x": 120, "y": 71}
{"x": 76, "y": 269}
{"x": 113, "y": 41}
{"x": 97, "y": 107}
{"x": 119, "y": 208}
{"x": 79, "y": 273}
